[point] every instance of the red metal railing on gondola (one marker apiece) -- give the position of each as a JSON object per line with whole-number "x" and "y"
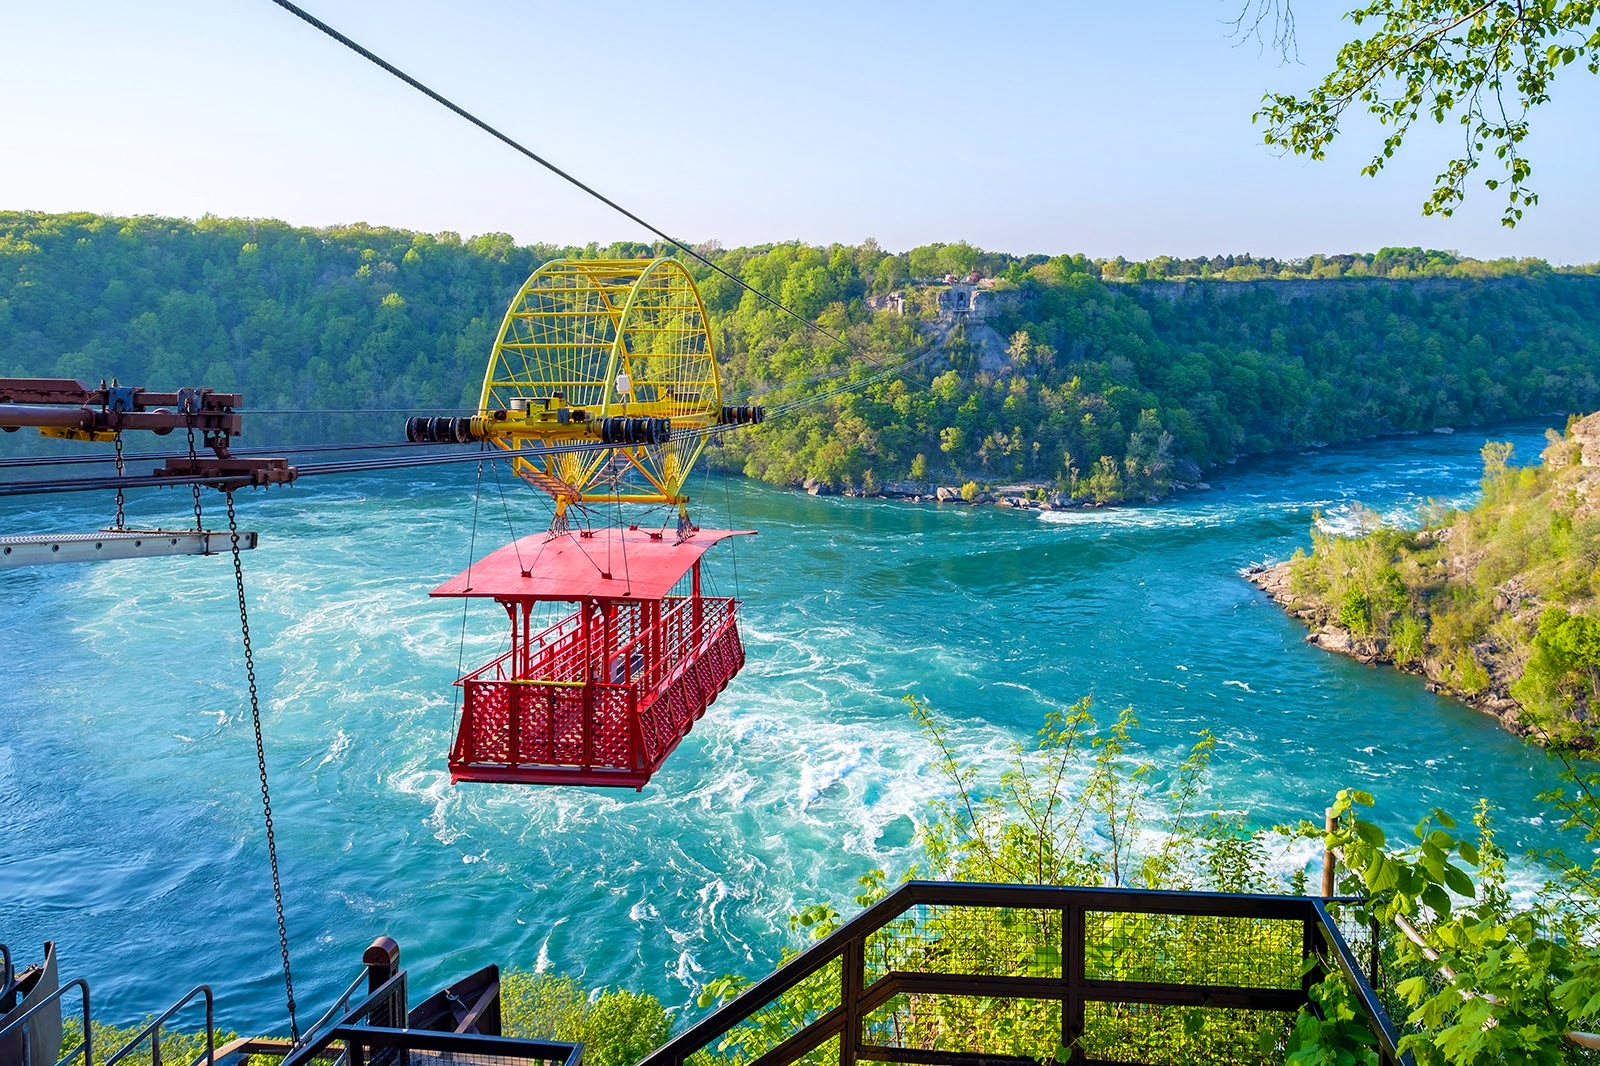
{"x": 601, "y": 697}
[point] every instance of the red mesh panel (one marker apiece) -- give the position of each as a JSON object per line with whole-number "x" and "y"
{"x": 485, "y": 723}
{"x": 534, "y": 728}
{"x": 611, "y": 740}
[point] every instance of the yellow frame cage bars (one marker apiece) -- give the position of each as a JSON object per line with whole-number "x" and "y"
{"x": 609, "y": 350}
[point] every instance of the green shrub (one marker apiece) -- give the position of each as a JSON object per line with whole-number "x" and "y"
{"x": 1354, "y": 613}
{"x": 617, "y": 1027}
{"x": 1467, "y": 674}
{"x": 1407, "y": 639}
{"x": 176, "y": 1046}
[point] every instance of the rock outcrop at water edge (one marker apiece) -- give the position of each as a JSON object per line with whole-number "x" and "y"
{"x": 1327, "y": 634}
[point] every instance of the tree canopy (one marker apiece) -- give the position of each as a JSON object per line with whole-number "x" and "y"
{"x": 1071, "y": 376}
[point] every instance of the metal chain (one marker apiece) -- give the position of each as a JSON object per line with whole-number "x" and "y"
{"x": 261, "y": 763}
{"x": 194, "y": 462}
{"x": 118, "y": 524}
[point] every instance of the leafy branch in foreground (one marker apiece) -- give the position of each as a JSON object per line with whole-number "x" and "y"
{"x": 1488, "y": 977}
{"x": 1487, "y": 65}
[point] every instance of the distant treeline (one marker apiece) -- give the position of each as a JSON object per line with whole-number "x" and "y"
{"x": 1108, "y": 390}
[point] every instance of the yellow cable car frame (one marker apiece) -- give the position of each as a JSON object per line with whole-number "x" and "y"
{"x": 587, "y": 340}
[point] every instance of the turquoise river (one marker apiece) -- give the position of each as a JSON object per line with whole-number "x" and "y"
{"x": 130, "y": 821}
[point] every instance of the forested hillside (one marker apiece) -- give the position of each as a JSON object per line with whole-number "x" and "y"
{"x": 1110, "y": 389}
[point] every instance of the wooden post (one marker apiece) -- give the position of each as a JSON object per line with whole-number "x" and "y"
{"x": 1330, "y": 823}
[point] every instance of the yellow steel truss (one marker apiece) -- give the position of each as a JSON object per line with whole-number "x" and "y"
{"x": 592, "y": 339}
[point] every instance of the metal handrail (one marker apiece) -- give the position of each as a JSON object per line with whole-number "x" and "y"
{"x": 86, "y": 1049}
{"x": 342, "y": 1002}
{"x": 1377, "y": 1017}
{"x": 153, "y": 1030}
{"x": 846, "y": 945}
{"x": 314, "y": 1042}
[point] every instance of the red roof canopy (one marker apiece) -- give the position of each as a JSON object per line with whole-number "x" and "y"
{"x": 603, "y": 564}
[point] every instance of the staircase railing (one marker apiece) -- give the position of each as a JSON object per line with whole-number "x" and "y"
{"x": 950, "y": 974}
{"x": 85, "y": 1050}
{"x": 152, "y": 1032}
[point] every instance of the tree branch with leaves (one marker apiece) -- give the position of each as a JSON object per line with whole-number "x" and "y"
{"x": 1483, "y": 65}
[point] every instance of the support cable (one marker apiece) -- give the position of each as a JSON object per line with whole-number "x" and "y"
{"x": 461, "y": 646}
{"x": 516, "y": 546}
{"x": 521, "y": 149}
{"x": 261, "y": 763}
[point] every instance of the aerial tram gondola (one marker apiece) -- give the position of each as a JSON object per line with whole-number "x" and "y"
{"x": 603, "y": 386}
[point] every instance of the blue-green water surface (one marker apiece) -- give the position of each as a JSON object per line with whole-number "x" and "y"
{"x": 130, "y": 821}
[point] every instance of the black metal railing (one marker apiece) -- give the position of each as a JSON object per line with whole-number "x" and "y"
{"x": 384, "y": 1005}
{"x": 152, "y": 1032}
{"x": 950, "y": 974}
{"x": 85, "y": 1049}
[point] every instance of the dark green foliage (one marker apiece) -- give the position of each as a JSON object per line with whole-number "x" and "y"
{"x": 1336, "y": 1034}
{"x": 348, "y": 317}
{"x": 1564, "y": 668}
{"x": 1108, "y": 392}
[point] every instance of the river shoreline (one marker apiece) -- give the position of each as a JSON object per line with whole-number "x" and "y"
{"x": 1026, "y": 495}
{"x": 1325, "y": 633}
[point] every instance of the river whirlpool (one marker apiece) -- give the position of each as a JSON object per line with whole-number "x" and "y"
{"x": 130, "y": 809}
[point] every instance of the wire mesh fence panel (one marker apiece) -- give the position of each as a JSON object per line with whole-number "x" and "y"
{"x": 1182, "y": 1036}
{"x": 826, "y": 1054}
{"x": 974, "y": 941}
{"x": 980, "y": 1025}
{"x": 1193, "y": 949}
{"x": 776, "y": 1022}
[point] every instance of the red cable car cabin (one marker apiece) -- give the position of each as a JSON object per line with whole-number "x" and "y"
{"x": 603, "y": 696}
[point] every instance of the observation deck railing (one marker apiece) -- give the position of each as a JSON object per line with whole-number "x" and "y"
{"x": 950, "y": 974}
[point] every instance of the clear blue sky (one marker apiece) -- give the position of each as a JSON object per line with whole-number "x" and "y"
{"x": 1103, "y": 128}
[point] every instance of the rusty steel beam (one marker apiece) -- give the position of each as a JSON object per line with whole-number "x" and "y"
{"x": 62, "y": 403}
{"x": 64, "y": 407}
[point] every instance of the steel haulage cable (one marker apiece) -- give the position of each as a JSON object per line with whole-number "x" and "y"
{"x": 516, "y": 146}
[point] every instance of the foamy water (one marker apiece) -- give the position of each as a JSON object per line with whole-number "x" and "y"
{"x": 130, "y": 823}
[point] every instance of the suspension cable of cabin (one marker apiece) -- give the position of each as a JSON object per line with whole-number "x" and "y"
{"x": 516, "y": 146}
